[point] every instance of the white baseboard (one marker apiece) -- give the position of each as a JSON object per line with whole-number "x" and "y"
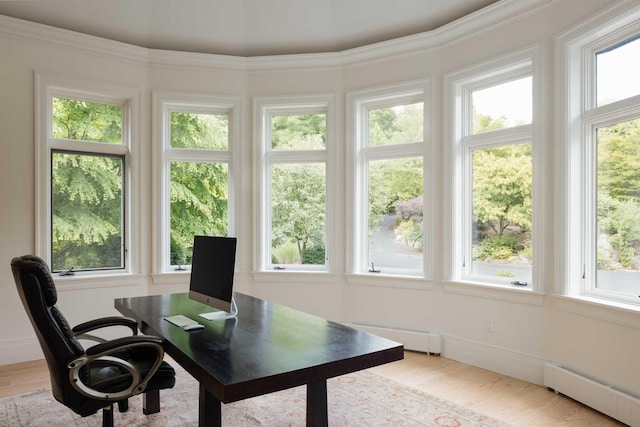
{"x": 500, "y": 360}
{"x": 412, "y": 340}
{"x": 20, "y": 350}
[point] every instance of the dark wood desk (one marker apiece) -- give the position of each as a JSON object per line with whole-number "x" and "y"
{"x": 267, "y": 348}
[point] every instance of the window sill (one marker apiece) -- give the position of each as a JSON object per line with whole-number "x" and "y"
{"x": 294, "y": 276}
{"x": 92, "y": 281}
{"x": 498, "y": 292}
{"x": 387, "y": 281}
{"x": 611, "y": 311}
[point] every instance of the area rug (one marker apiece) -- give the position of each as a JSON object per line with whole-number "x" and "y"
{"x": 359, "y": 399}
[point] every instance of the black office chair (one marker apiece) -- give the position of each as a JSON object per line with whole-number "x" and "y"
{"x": 95, "y": 378}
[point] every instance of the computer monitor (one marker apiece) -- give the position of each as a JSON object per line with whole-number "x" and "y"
{"x": 212, "y": 269}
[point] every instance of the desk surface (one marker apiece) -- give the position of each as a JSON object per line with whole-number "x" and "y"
{"x": 268, "y": 347}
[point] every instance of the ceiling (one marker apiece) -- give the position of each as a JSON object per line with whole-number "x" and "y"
{"x": 245, "y": 27}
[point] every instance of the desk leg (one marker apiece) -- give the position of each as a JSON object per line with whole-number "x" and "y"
{"x": 209, "y": 409}
{"x": 317, "y": 404}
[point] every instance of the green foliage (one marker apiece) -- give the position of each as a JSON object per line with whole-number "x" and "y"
{"x": 396, "y": 125}
{"x": 411, "y": 233}
{"x": 86, "y": 121}
{"x": 298, "y": 190}
{"x": 495, "y": 247}
{"x": 502, "y": 187}
{"x": 392, "y": 181}
{"x": 190, "y": 130}
{"x": 86, "y": 190}
{"x": 298, "y": 204}
{"x": 619, "y": 160}
{"x": 505, "y": 273}
{"x": 285, "y": 253}
{"x": 299, "y": 132}
{"x": 314, "y": 255}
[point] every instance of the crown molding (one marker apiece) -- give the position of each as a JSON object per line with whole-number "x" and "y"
{"x": 40, "y": 34}
{"x": 461, "y": 28}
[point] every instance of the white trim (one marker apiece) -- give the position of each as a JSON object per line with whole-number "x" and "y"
{"x": 496, "y": 359}
{"x": 473, "y": 23}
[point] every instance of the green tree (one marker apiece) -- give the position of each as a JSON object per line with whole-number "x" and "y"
{"x": 619, "y": 160}
{"x": 86, "y": 188}
{"x": 299, "y": 205}
{"x": 298, "y": 190}
{"x": 502, "y": 187}
{"x": 199, "y": 191}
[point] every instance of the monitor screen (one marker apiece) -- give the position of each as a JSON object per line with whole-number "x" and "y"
{"x": 212, "y": 269}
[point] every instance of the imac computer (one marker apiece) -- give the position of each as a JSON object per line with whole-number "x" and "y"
{"x": 212, "y": 269}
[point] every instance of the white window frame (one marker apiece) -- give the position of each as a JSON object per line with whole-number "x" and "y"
{"x": 359, "y": 155}
{"x": 165, "y": 103}
{"x": 264, "y": 108}
{"x": 459, "y": 87}
{"x": 48, "y": 87}
{"x": 578, "y": 120}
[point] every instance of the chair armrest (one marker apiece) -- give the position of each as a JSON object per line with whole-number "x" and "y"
{"x": 105, "y": 322}
{"x": 122, "y": 343}
{"x": 107, "y": 352}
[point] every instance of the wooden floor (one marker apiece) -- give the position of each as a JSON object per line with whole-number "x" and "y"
{"x": 510, "y": 400}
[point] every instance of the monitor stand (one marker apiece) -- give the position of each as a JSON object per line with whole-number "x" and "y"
{"x": 219, "y": 315}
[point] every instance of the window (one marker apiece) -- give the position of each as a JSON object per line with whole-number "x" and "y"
{"x": 295, "y": 139}
{"x": 493, "y": 152}
{"x": 194, "y": 185}
{"x": 388, "y": 167}
{"x": 84, "y": 158}
{"x": 603, "y": 162}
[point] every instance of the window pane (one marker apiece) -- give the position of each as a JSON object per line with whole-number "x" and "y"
{"x": 87, "y": 196}
{"x": 502, "y": 212}
{"x": 618, "y": 198}
{"x": 399, "y": 124}
{"x": 502, "y": 106}
{"x": 395, "y": 214}
{"x": 199, "y": 198}
{"x": 200, "y": 131}
{"x": 299, "y": 132}
{"x": 298, "y": 211}
{"x": 617, "y": 71}
{"x": 86, "y": 121}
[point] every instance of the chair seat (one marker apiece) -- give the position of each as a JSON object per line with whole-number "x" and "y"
{"x": 111, "y": 379}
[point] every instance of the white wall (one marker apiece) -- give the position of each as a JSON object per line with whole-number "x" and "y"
{"x": 530, "y": 328}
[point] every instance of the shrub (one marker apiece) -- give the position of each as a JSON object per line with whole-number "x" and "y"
{"x": 286, "y": 253}
{"x": 314, "y": 255}
{"x": 495, "y": 247}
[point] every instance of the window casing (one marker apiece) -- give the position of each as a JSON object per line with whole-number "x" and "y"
{"x": 295, "y": 179}
{"x": 389, "y": 168}
{"x": 601, "y": 135}
{"x": 86, "y": 177}
{"x": 494, "y": 152}
{"x": 195, "y": 139}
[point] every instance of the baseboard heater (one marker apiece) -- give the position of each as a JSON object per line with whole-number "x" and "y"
{"x": 426, "y": 342}
{"x": 614, "y": 403}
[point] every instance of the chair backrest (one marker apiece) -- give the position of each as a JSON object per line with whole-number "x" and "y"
{"x": 38, "y": 294}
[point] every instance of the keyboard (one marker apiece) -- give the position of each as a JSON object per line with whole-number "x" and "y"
{"x": 180, "y": 321}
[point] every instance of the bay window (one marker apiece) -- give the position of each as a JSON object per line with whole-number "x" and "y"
{"x": 294, "y": 140}
{"x": 388, "y": 146}
{"x": 493, "y": 153}
{"x": 193, "y": 142}
{"x": 85, "y": 183}
{"x": 602, "y": 161}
